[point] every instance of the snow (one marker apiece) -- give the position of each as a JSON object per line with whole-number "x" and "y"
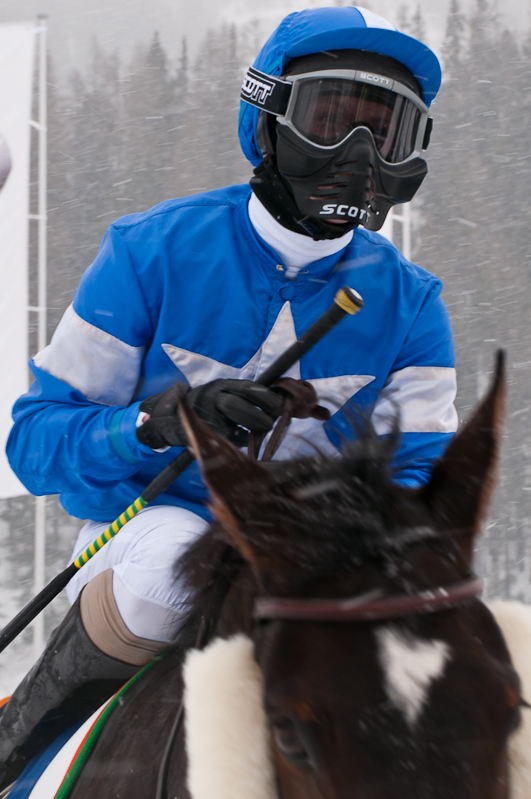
{"x": 125, "y": 134}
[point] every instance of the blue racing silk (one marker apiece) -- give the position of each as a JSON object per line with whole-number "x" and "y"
{"x": 187, "y": 291}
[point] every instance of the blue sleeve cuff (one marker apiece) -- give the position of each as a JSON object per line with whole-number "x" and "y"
{"x": 416, "y": 456}
{"x": 122, "y": 435}
{"x": 415, "y": 477}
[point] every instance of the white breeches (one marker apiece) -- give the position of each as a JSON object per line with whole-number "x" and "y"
{"x": 142, "y": 556}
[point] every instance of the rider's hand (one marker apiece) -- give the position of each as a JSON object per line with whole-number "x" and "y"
{"x": 226, "y": 406}
{"x": 163, "y": 427}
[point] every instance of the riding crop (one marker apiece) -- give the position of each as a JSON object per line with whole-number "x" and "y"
{"x": 347, "y": 301}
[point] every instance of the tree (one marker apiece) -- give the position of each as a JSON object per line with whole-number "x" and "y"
{"x": 150, "y": 117}
{"x": 124, "y": 137}
{"x": 404, "y": 21}
{"x": 475, "y": 234}
{"x": 454, "y": 43}
{"x": 213, "y": 157}
{"x": 418, "y": 29}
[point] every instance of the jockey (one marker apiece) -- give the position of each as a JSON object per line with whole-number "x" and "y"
{"x": 205, "y": 292}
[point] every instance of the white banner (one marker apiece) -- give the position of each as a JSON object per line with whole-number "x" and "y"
{"x": 17, "y": 45}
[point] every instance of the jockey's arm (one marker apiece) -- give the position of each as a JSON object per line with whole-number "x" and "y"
{"x": 69, "y": 433}
{"x": 421, "y": 390}
{"x": 75, "y": 431}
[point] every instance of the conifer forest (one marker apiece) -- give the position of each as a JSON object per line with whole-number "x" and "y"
{"x": 127, "y": 134}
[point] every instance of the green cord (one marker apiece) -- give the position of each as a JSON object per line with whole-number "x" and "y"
{"x": 88, "y": 747}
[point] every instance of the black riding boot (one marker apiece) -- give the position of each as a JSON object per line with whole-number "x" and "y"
{"x": 59, "y": 678}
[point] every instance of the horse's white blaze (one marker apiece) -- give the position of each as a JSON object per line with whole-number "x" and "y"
{"x": 226, "y": 727}
{"x": 227, "y": 735}
{"x": 410, "y": 666}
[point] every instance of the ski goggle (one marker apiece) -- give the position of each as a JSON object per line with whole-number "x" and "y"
{"x": 325, "y": 107}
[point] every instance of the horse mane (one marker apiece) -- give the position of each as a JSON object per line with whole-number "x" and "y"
{"x": 322, "y": 515}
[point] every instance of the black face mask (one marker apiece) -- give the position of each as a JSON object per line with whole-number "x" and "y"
{"x": 306, "y": 188}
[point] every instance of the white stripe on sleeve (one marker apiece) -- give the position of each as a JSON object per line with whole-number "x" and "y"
{"x": 103, "y": 368}
{"x": 372, "y": 20}
{"x": 423, "y": 396}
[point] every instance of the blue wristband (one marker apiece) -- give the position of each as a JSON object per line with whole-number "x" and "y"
{"x": 116, "y": 438}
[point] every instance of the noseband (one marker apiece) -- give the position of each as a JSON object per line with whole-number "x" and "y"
{"x": 370, "y": 606}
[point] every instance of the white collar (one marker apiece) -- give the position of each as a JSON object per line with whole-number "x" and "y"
{"x": 295, "y": 249}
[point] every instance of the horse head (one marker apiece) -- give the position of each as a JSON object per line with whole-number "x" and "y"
{"x": 417, "y": 702}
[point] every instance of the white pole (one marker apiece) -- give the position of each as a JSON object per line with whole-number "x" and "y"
{"x": 406, "y": 230}
{"x": 404, "y": 219}
{"x": 43, "y": 146}
{"x": 40, "y": 502}
{"x": 387, "y": 227}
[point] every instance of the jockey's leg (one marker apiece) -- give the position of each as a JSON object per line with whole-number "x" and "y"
{"x": 126, "y": 608}
{"x": 142, "y": 556}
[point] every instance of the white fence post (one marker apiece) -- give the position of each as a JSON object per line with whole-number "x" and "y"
{"x": 404, "y": 219}
{"x": 41, "y": 310}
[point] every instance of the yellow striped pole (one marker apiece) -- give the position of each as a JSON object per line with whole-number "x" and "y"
{"x": 110, "y": 532}
{"x": 346, "y": 302}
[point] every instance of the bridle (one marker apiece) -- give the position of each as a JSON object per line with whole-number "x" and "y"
{"x": 370, "y": 606}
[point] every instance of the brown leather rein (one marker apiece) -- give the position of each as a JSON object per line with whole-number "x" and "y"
{"x": 369, "y": 606}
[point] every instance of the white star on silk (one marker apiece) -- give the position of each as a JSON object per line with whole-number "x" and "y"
{"x": 332, "y": 392}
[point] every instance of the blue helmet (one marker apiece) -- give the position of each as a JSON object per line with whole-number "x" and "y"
{"x": 348, "y": 28}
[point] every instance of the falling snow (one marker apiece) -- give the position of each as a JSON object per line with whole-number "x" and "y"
{"x": 145, "y": 117}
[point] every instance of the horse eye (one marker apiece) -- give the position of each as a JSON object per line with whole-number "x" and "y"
{"x": 289, "y": 742}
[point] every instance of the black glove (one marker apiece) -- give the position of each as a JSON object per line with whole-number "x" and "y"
{"x": 226, "y": 406}
{"x": 163, "y": 428}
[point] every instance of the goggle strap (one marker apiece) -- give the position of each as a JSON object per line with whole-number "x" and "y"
{"x": 427, "y": 133}
{"x": 265, "y": 92}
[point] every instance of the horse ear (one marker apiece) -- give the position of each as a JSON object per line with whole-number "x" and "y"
{"x": 224, "y": 468}
{"x": 462, "y": 480}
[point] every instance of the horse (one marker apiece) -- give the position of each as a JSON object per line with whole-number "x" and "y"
{"x": 382, "y": 673}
